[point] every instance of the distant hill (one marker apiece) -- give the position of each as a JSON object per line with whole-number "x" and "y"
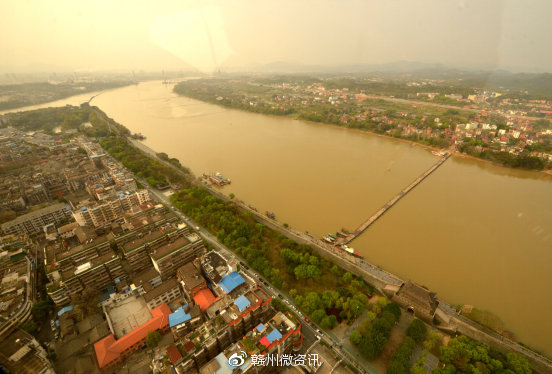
{"x": 500, "y": 80}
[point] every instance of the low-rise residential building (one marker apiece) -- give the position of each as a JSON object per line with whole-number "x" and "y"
{"x": 72, "y": 269}
{"x": 215, "y": 267}
{"x": 21, "y": 353}
{"x": 166, "y": 292}
{"x": 100, "y": 213}
{"x": 110, "y": 351}
{"x": 265, "y": 345}
{"x": 185, "y": 319}
{"x": 168, "y": 258}
{"x": 147, "y": 279}
{"x": 137, "y": 251}
{"x": 96, "y": 274}
{"x": 33, "y": 223}
{"x": 191, "y": 279}
{"x": 92, "y": 270}
{"x": 139, "y": 224}
{"x": 15, "y": 291}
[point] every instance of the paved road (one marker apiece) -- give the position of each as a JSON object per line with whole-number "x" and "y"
{"x": 310, "y": 330}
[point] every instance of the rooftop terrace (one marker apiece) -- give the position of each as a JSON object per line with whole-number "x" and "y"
{"x": 127, "y": 315}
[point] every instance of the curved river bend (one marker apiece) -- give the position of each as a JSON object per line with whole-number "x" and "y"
{"x": 472, "y": 232}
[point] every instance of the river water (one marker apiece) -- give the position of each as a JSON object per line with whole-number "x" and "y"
{"x": 473, "y": 232}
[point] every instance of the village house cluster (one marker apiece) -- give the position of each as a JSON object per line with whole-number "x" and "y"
{"x": 492, "y": 123}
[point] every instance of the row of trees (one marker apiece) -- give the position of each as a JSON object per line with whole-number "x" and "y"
{"x": 524, "y": 160}
{"x": 371, "y": 337}
{"x": 303, "y": 265}
{"x": 468, "y": 356}
{"x": 39, "y": 312}
{"x": 154, "y": 172}
{"x": 316, "y": 284}
{"x": 400, "y": 361}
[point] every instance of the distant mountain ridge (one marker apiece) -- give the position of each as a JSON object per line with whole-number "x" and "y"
{"x": 497, "y": 79}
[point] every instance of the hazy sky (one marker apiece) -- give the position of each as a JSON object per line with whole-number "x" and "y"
{"x": 155, "y": 35}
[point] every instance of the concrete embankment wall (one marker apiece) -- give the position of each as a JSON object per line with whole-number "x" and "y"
{"x": 539, "y": 364}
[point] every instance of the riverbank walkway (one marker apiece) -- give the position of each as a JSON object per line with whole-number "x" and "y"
{"x": 391, "y": 202}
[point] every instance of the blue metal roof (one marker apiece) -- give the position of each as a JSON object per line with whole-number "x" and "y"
{"x": 231, "y": 281}
{"x": 260, "y": 328}
{"x": 224, "y": 368}
{"x": 179, "y": 316}
{"x": 274, "y": 335}
{"x": 242, "y": 303}
{"x": 66, "y": 309}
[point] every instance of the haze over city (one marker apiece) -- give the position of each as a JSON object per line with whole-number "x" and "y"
{"x": 275, "y": 187}
{"x": 64, "y": 35}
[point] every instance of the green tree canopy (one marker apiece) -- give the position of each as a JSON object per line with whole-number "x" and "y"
{"x": 152, "y": 339}
{"x": 29, "y": 327}
{"x": 318, "y": 315}
{"x": 41, "y": 309}
{"x": 347, "y": 277}
{"x": 417, "y": 330}
{"x": 518, "y": 363}
{"x": 355, "y": 337}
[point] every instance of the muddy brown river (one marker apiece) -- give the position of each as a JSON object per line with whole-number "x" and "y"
{"x": 473, "y": 232}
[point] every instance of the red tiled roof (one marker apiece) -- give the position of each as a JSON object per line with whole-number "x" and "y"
{"x": 174, "y": 353}
{"x": 189, "y": 346}
{"x": 264, "y": 341}
{"x": 204, "y": 299}
{"x": 103, "y": 354}
{"x": 108, "y": 349}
